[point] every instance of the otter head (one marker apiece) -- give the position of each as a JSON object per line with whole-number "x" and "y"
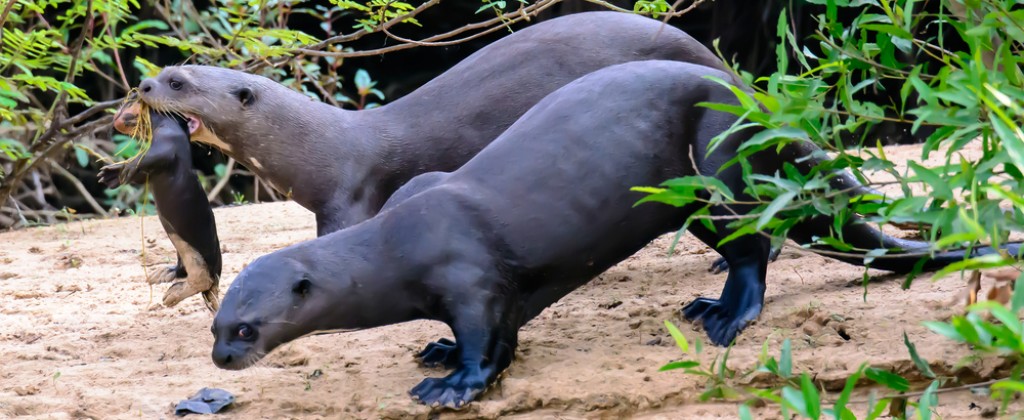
{"x": 225, "y": 102}
{"x": 274, "y": 300}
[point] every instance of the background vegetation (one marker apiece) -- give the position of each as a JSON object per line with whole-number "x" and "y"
{"x": 66, "y": 64}
{"x": 947, "y": 72}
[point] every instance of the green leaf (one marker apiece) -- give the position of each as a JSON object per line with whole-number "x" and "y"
{"x": 767, "y": 137}
{"x": 921, "y": 364}
{"x": 887, "y": 379}
{"x": 984, "y": 261}
{"x": 844, "y": 395}
{"x": 786, "y": 360}
{"x": 1009, "y": 385}
{"x": 1018, "y": 294}
{"x": 776, "y": 205}
{"x": 944, "y": 329}
{"x": 940, "y": 188}
{"x": 678, "y": 337}
{"x": 927, "y": 401}
{"x": 811, "y": 398}
{"x": 745, "y": 412}
{"x": 362, "y": 79}
{"x": 685, "y": 364}
{"x": 82, "y": 157}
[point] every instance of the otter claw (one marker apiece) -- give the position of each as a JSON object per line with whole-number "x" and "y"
{"x": 164, "y": 274}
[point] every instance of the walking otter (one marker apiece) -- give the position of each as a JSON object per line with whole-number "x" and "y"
{"x": 539, "y": 212}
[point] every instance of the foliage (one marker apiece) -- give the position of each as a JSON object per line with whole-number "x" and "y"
{"x": 955, "y": 73}
{"x": 65, "y": 64}
{"x": 989, "y": 328}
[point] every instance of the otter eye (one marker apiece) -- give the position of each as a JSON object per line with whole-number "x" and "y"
{"x": 245, "y": 332}
{"x": 302, "y": 287}
{"x": 175, "y": 84}
{"x": 244, "y": 95}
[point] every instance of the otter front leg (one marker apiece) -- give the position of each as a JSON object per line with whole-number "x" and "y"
{"x": 486, "y": 336}
{"x": 743, "y": 296}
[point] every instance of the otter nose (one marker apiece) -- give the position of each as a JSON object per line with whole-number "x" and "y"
{"x": 222, "y": 356}
{"x": 147, "y": 85}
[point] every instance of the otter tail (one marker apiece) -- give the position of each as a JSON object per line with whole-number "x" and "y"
{"x": 903, "y": 255}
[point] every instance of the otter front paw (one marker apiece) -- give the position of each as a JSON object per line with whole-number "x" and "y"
{"x": 453, "y": 391}
{"x": 110, "y": 175}
{"x": 442, "y": 352}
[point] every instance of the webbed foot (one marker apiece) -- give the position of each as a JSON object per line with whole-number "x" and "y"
{"x": 442, "y": 352}
{"x": 722, "y": 323}
{"x": 453, "y": 391}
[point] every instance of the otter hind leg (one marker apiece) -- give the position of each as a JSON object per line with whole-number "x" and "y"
{"x": 721, "y": 265}
{"x": 193, "y": 285}
{"x": 743, "y": 295}
{"x": 192, "y": 277}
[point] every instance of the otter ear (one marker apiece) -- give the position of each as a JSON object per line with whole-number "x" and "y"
{"x": 245, "y": 96}
{"x": 301, "y": 287}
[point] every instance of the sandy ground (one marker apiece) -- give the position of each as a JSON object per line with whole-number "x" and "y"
{"x": 80, "y": 336}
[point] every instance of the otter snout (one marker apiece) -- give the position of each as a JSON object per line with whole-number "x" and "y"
{"x": 229, "y": 358}
{"x": 147, "y": 85}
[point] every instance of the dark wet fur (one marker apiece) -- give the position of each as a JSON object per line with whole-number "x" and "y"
{"x": 180, "y": 200}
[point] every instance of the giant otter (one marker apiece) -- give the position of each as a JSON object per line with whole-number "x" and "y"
{"x": 181, "y": 205}
{"x": 540, "y": 211}
{"x": 343, "y": 165}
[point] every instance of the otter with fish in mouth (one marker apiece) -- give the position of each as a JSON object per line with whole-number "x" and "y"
{"x": 343, "y": 165}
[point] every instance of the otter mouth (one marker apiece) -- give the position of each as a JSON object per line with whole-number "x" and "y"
{"x": 127, "y": 117}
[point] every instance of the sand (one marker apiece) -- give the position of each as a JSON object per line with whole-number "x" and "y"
{"x": 81, "y": 335}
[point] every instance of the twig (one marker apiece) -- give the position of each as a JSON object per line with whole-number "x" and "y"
{"x": 93, "y": 110}
{"x": 510, "y": 17}
{"x": 302, "y": 75}
{"x": 81, "y": 188}
{"x": 221, "y": 183}
{"x": 117, "y": 55}
{"x": 362, "y": 32}
{"x": 3, "y": 18}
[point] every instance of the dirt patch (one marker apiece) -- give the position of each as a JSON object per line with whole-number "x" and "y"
{"x": 80, "y": 335}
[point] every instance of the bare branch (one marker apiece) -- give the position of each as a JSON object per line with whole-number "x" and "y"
{"x": 81, "y": 188}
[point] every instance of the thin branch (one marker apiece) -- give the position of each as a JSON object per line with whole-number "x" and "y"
{"x": 221, "y": 183}
{"x": 117, "y": 55}
{"x": 362, "y": 32}
{"x": 507, "y": 18}
{"x": 81, "y": 188}
{"x": 93, "y": 110}
{"x": 3, "y": 19}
